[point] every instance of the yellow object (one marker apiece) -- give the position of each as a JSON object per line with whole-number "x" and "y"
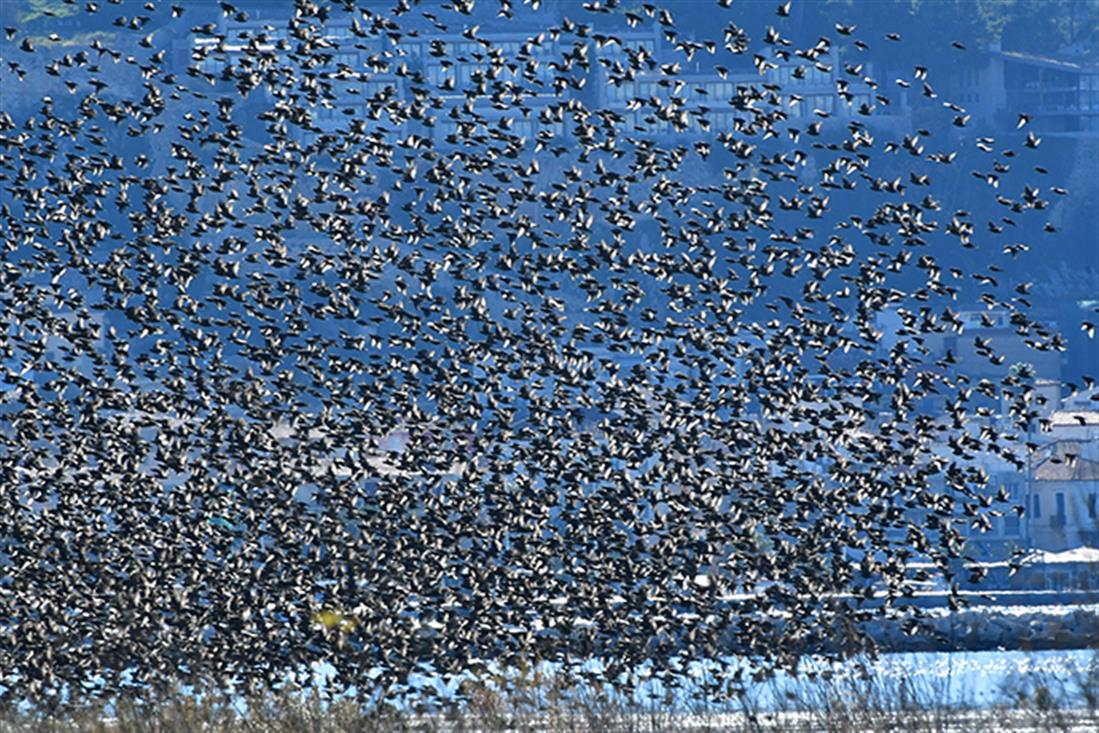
{"x": 332, "y": 619}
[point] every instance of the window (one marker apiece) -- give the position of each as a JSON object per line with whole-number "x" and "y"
{"x": 347, "y": 58}
{"x": 808, "y": 76}
{"x": 1091, "y": 506}
{"x": 1011, "y": 524}
{"x": 1036, "y": 506}
{"x": 523, "y": 128}
{"x": 623, "y": 91}
{"x": 1058, "y": 519}
{"x": 860, "y": 99}
{"x": 970, "y": 78}
{"x": 822, "y": 102}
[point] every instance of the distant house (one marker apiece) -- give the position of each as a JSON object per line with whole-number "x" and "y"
{"x": 1060, "y": 94}
{"x": 984, "y": 342}
{"x": 1077, "y": 417}
{"x": 1064, "y": 492}
{"x": 993, "y": 329}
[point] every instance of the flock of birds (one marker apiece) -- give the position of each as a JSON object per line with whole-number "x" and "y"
{"x": 276, "y": 393}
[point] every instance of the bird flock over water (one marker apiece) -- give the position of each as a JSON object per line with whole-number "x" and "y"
{"x": 413, "y": 386}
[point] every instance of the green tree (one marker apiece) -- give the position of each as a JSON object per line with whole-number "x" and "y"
{"x": 1044, "y": 26}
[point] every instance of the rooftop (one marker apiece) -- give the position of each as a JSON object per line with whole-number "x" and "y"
{"x": 1047, "y": 61}
{"x": 1060, "y": 468}
{"x": 1075, "y": 418}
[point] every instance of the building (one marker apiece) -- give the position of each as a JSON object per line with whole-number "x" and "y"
{"x": 414, "y": 84}
{"x": 983, "y": 343}
{"x": 1064, "y": 490}
{"x": 1061, "y": 95}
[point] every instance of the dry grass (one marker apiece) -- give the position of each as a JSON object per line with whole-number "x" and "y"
{"x": 531, "y": 701}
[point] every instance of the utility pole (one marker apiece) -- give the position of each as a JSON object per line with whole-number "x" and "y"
{"x": 1029, "y": 471}
{"x": 1024, "y": 379}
